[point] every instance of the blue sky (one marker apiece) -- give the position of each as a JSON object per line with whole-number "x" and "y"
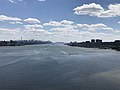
{"x": 60, "y": 20}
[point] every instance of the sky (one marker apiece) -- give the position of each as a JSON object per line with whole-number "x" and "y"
{"x": 60, "y": 20}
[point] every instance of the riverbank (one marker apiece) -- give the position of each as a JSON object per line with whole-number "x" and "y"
{"x": 23, "y": 42}
{"x": 97, "y": 44}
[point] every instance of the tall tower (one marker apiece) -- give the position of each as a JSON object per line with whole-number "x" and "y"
{"x": 21, "y": 39}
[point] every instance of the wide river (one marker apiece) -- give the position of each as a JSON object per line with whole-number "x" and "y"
{"x": 58, "y": 67}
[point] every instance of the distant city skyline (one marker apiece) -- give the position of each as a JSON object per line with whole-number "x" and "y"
{"x": 60, "y": 20}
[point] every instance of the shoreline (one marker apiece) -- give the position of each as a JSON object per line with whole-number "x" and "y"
{"x": 97, "y": 44}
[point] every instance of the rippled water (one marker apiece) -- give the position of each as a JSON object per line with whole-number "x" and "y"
{"x": 58, "y": 67}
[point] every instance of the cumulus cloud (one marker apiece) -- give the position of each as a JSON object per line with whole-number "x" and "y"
{"x": 32, "y": 20}
{"x": 65, "y": 31}
{"x": 119, "y": 22}
{"x": 9, "y": 31}
{"x": 33, "y": 27}
{"x": 36, "y": 32}
{"x": 62, "y": 23}
{"x": 66, "y": 34}
{"x": 60, "y": 31}
{"x": 94, "y": 27}
{"x": 97, "y": 10}
{"x": 15, "y": 22}
{"x": 17, "y": 33}
{"x": 7, "y": 18}
{"x": 65, "y": 22}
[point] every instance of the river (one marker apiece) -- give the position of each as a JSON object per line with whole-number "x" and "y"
{"x": 58, "y": 67}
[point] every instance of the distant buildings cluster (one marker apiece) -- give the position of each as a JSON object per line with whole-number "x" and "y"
{"x": 97, "y": 43}
{"x": 22, "y": 42}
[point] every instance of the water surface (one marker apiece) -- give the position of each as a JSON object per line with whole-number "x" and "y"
{"x": 58, "y": 67}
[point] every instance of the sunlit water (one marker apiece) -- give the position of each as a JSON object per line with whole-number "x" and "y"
{"x": 58, "y": 67}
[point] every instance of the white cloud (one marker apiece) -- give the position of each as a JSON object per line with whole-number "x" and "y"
{"x": 15, "y": 1}
{"x": 41, "y": 0}
{"x": 52, "y": 23}
{"x": 61, "y": 31}
{"x": 32, "y": 20}
{"x": 17, "y": 33}
{"x": 64, "y": 29}
{"x": 119, "y": 22}
{"x": 12, "y": 1}
{"x": 6, "y": 18}
{"x": 33, "y": 27}
{"x": 15, "y": 22}
{"x": 8, "y": 34}
{"x": 9, "y": 31}
{"x": 94, "y": 27}
{"x": 65, "y": 22}
{"x": 62, "y": 23}
{"x": 66, "y": 34}
{"x": 36, "y": 32}
{"x": 97, "y": 10}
